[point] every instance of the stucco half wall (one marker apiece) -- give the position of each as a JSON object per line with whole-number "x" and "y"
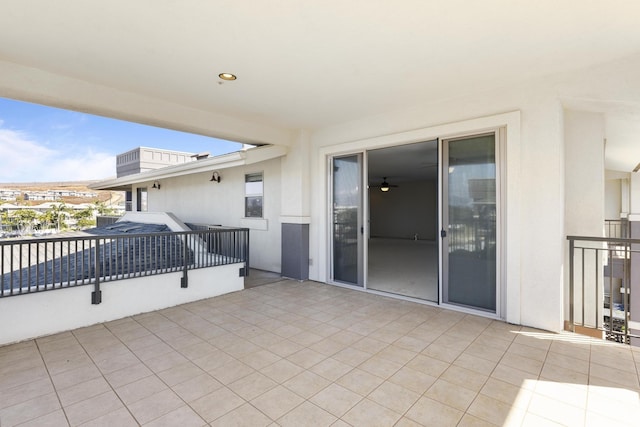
{"x": 65, "y": 309}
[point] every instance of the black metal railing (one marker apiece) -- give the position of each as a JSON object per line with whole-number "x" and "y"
{"x": 600, "y": 284}
{"x": 617, "y": 228}
{"x": 36, "y": 265}
{"x": 473, "y": 235}
{"x": 221, "y": 242}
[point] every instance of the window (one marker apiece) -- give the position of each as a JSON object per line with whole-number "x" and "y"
{"x": 141, "y": 198}
{"x": 128, "y": 201}
{"x": 253, "y": 186}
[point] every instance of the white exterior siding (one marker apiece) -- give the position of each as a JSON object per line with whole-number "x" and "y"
{"x": 195, "y": 199}
{"x": 538, "y": 205}
{"x": 543, "y": 175}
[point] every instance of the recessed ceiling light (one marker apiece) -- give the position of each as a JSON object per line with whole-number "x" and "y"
{"x": 227, "y": 76}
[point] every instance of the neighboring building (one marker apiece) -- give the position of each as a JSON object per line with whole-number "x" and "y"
{"x": 143, "y": 159}
{"x": 55, "y": 195}
{"x": 40, "y": 196}
{"x": 9, "y": 194}
{"x": 43, "y": 207}
{"x": 487, "y": 120}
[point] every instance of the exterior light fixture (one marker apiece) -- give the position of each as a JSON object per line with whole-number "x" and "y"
{"x": 156, "y": 185}
{"x": 216, "y": 176}
{"x": 227, "y": 76}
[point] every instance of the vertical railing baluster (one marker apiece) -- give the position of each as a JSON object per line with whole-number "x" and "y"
{"x": 53, "y": 264}
{"x": 113, "y": 258}
{"x": 75, "y": 263}
{"x": 60, "y": 261}
{"x": 247, "y": 252}
{"x": 185, "y": 278}
{"x": 583, "y": 286}
{"x": 143, "y": 248}
{"x": 597, "y": 287}
{"x": 137, "y": 255}
{"x": 38, "y": 266}
{"x": 179, "y": 246}
{"x": 20, "y": 268}
{"x": 46, "y": 260}
{"x": 68, "y": 281}
{"x": 128, "y": 256}
{"x": 96, "y": 295}
{"x": 611, "y": 303}
{"x": 85, "y": 253}
{"x": 154, "y": 251}
{"x": 11, "y": 268}
{"x": 626, "y": 283}
{"x": 2, "y": 285}
{"x": 29, "y": 269}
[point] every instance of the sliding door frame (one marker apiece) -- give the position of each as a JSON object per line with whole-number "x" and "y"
{"x": 508, "y": 124}
{"x": 500, "y": 273}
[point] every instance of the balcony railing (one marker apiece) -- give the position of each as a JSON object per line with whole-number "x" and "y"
{"x": 617, "y": 228}
{"x": 37, "y": 265}
{"x": 600, "y": 285}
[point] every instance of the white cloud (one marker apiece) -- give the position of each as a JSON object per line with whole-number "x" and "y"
{"x": 24, "y": 160}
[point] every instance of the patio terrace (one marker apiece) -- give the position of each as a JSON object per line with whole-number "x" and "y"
{"x": 302, "y": 354}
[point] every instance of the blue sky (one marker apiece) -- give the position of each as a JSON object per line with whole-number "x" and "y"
{"x": 43, "y": 144}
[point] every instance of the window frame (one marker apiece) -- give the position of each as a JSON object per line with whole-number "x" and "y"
{"x": 142, "y": 199}
{"x": 253, "y": 195}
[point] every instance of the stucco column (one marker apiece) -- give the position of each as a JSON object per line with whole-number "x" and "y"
{"x": 295, "y": 208}
{"x": 584, "y": 205}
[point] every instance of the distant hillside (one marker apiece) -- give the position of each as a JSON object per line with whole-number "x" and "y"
{"x": 41, "y": 186}
{"x": 109, "y": 197}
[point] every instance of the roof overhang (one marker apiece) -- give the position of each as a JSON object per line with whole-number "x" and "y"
{"x": 226, "y": 161}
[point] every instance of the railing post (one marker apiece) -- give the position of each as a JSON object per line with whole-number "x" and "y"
{"x": 247, "y": 250}
{"x": 184, "y": 281}
{"x": 626, "y": 283}
{"x": 571, "y": 277}
{"x": 96, "y": 295}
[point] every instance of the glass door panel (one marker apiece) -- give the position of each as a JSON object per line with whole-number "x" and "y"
{"x": 469, "y": 222}
{"x": 347, "y": 219}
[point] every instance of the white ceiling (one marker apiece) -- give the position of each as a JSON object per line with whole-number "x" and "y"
{"x": 307, "y": 65}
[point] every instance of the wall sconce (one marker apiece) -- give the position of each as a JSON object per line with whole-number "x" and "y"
{"x": 156, "y": 185}
{"x": 216, "y": 176}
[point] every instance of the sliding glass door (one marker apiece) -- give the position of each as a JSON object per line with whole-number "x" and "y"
{"x": 347, "y": 232}
{"x": 469, "y": 199}
{"x": 469, "y": 226}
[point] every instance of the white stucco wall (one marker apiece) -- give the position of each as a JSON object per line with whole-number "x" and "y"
{"x": 613, "y": 199}
{"x": 634, "y": 197}
{"x": 71, "y": 308}
{"x": 584, "y": 173}
{"x": 510, "y": 307}
{"x": 535, "y": 166}
{"x": 195, "y": 199}
{"x": 584, "y": 182}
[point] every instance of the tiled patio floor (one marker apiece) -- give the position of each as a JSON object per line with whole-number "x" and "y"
{"x": 305, "y": 354}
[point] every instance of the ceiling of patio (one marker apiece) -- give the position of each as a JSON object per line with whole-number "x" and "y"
{"x": 307, "y": 65}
